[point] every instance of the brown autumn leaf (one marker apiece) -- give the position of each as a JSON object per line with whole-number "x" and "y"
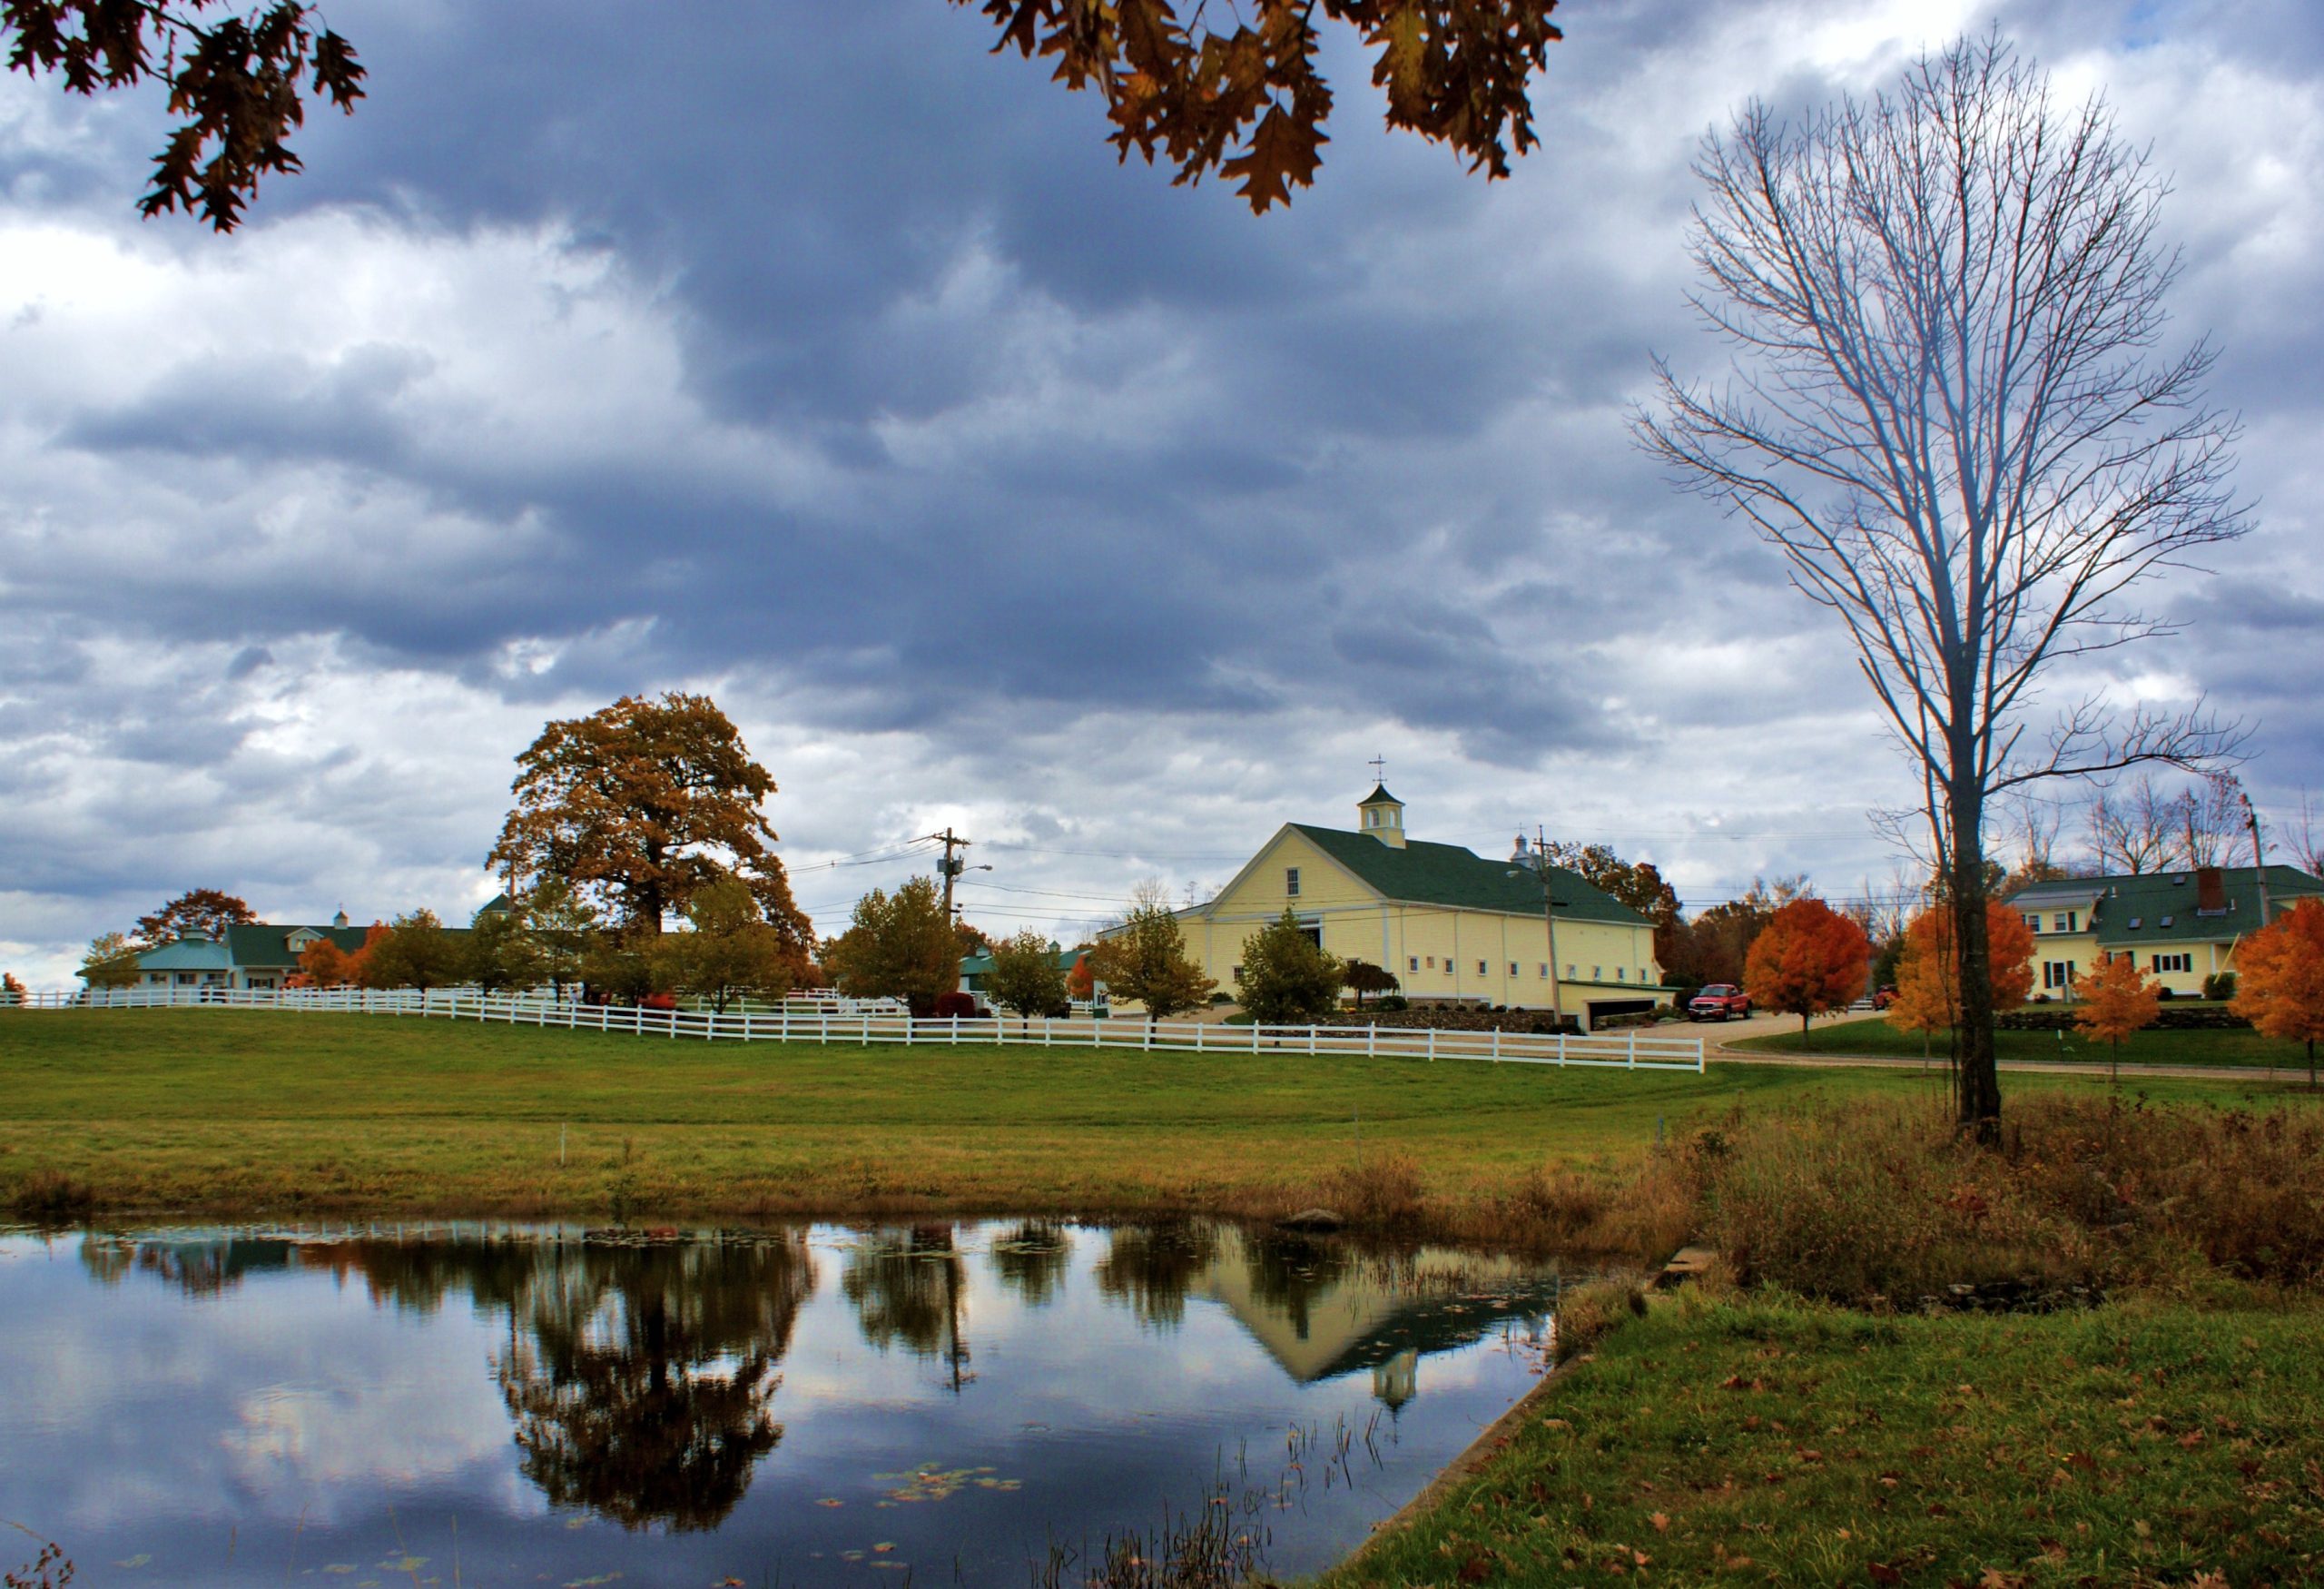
{"x": 1661, "y": 1521}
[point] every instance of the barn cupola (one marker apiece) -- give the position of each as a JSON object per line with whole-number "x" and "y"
{"x": 1382, "y": 815}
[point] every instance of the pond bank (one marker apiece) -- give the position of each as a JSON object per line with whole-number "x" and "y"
{"x": 1769, "y": 1439}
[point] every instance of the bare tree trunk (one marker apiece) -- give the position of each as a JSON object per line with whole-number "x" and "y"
{"x": 1976, "y": 1064}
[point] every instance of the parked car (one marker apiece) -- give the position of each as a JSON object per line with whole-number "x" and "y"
{"x": 1883, "y": 998}
{"x": 1718, "y": 1002}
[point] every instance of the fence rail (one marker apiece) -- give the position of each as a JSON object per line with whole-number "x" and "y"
{"x": 1629, "y": 1051}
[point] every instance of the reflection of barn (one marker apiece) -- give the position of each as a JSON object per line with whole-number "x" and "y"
{"x": 1321, "y": 1310}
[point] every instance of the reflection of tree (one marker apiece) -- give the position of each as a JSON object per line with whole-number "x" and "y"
{"x": 641, "y": 1389}
{"x": 908, "y": 1286}
{"x": 199, "y": 1265}
{"x": 1150, "y": 1267}
{"x": 1031, "y": 1260}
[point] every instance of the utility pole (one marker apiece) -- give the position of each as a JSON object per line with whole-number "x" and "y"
{"x": 1550, "y": 924}
{"x": 2258, "y": 856}
{"x": 950, "y": 867}
{"x": 1550, "y": 902}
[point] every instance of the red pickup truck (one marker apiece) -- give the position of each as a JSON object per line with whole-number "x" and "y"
{"x": 1718, "y": 1002}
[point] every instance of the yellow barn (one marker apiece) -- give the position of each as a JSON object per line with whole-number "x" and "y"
{"x": 1450, "y": 925}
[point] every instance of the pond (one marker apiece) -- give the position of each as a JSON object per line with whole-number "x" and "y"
{"x": 959, "y": 1402}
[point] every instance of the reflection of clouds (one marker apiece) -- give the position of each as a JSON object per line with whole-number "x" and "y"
{"x": 355, "y": 1381}
{"x": 304, "y": 1439}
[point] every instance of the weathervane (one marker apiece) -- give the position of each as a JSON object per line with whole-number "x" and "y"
{"x": 1378, "y": 765}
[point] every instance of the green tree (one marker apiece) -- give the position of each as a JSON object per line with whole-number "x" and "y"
{"x": 414, "y": 953}
{"x": 620, "y": 967}
{"x": 111, "y": 962}
{"x": 1144, "y": 959}
{"x": 1027, "y": 978}
{"x": 562, "y": 924}
{"x": 500, "y": 953}
{"x": 1287, "y": 979}
{"x": 728, "y": 952}
{"x": 899, "y": 946}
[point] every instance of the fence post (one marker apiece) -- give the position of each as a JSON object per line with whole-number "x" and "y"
{"x": 1496, "y": 1045}
{"x": 1432, "y": 1045}
{"x": 1633, "y": 1048}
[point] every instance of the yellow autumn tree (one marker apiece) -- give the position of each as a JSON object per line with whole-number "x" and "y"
{"x": 2280, "y": 986}
{"x": 1927, "y": 977}
{"x": 2117, "y": 999}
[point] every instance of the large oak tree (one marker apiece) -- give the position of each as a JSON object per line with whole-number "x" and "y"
{"x": 642, "y": 805}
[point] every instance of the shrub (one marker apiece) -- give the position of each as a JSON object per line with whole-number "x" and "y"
{"x": 2219, "y": 986}
{"x": 954, "y": 1006}
{"x": 1587, "y": 1311}
{"x": 1392, "y": 1002}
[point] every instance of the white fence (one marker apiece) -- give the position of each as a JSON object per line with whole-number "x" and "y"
{"x": 1629, "y": 1050}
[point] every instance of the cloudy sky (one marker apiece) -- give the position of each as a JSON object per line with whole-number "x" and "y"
{"x": 810, "y": 355}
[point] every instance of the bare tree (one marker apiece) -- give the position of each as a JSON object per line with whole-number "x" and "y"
{"x": 2031, "y": 826}
{"x": 2136, "y": 828}
{"x": 1947, "y": 412}
{"x": 2306, "y": 841}
{"x": 2211, "y": 820}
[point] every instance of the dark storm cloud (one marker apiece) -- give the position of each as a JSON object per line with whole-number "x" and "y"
{"x": 811, "y": 350}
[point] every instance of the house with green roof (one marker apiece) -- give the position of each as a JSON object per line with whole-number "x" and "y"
{"x": 249, "y": 955}
{"x": 2180, "y": 927}
{"x": 1450, "y": 925}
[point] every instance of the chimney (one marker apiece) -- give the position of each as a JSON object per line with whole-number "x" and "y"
{"x": 2211, "y": 891}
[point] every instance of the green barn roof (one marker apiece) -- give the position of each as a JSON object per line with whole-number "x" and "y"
{"x": 1447, "y": 874}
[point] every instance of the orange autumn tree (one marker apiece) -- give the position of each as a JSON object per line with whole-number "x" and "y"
{"x": 2117, "y": 999}
{"x": 1927, "y": 985}
{"x": 642, "y": 805}
{"x": 1808, "y": 959}
{"x": 324, "y": 965}
{"x": 2281, "y": 987}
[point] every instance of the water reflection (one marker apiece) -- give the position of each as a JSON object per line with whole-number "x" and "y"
{"x": 641, "y": 1381}
{"x": 909, "y": 1288}
{"x": 1069, "y": 1370}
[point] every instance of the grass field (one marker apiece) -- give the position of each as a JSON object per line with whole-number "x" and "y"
{"x": 2237, "y": 1049}
{"x": 236, "y": 1112}
{"x": 1764, "y": 1441}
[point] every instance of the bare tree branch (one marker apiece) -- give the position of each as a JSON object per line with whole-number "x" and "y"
{"x": 1948, "y": 406}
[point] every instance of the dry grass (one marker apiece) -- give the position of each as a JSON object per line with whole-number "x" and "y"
{"x": 1872, "y": 1199}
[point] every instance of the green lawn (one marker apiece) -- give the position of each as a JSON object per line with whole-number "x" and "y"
{"x": 228, "y": 1111}
{"x": 2239, "y": 1049}
{"x": 1766, "y": 1442}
